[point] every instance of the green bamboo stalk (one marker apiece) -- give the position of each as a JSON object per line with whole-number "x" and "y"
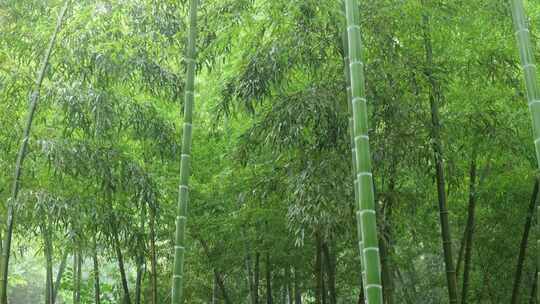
{"x": 435, "y": 96}
{"x": 59, "y": 274}
{"x": 34, "y": 100}
{"x": 531, "y": 82}
{"x": 366, "y": 216}
{"x": 185, "y": 163}
{"x": 347, "y": 72}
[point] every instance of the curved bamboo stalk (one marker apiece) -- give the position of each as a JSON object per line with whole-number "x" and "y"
{"x": 179, "y": 246}
{"x": 34, "y": 100}
{"x": 366, "y": 215}
{"x": 528, "y": 65}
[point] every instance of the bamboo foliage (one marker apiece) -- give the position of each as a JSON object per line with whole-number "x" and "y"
{"x": 179, "y": 247}
{"x": 34, "y": 100}
{"x": 366, "y": 216}
{"x": 528, "y": 65}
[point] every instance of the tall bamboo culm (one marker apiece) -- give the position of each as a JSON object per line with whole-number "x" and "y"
{"x": 366, "y": 216}
{"x": 528, "y": 65}
{"x": 185, "y": 162}
{"x": 34, "y": 100}
{"x": 347, "y": 72}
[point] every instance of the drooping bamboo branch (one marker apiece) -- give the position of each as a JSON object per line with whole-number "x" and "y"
{"x": 366, "y": 215}
{"x": 34, "y": 100}
{"x": 528, "y": 65}
{"x": 179, "y": 245}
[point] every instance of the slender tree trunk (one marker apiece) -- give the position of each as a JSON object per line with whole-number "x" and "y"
{"x": 290, "y": 295}
{"x": 388, "y": 234}
{"x": 256, "y": 276}
{"x": 140, "y": 257}
{"x": 138, "y": 282}
{"x": 318, "y": 270}
{"x": 217, "y": 274}
{"x": 269, "y": 298}
{"x": 249, "y": 273}
{"x": 61, "y": 269}
{"x": 77, "y": 265}
{"x": 185, "y": 163}
{"x": 408, "y": 298}
{"x": 384, "y": 240}
{"x": 79, "y": 274}
{"x": 524, "y": 241}
{"x": 463, "y": 243}
{"x": 532, "y": 298}
{"x": 221, "y": 285}
{"x": 97, "y": 286}
{"x": 153, "y": 257}
{"x": 34, "y": 100}
{"x": 331, "y": 271}
{"x": 214, "y": 292}
{"x": 249, "y": 276}
{"x": 120, "y": 259}
{"x": 461, "y": 254}
{"x": 297, "y": 288}
{"x": 470, "y": 228}
{"x": 434, "y": 99}
{"x": 387, "y": 281}
{"x": 47, "y": 246}
{"x": 324, "y": 294}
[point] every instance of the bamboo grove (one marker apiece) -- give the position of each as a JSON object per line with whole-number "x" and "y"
{"x": 246, "y": 151}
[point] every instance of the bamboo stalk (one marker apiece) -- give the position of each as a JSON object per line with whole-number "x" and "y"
{"x": 34, "y": 100}
{"x": 528, "y": 65}
{"x": 179, "y": 246}
{"x": 366, "y": 215}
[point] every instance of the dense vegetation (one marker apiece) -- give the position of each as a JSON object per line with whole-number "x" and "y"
{"x": 111, "y": 110}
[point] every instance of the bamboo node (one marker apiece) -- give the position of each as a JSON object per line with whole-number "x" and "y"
{"x": 356, "y": 99}
{"x": 371, "y": 249}
{"x": 534, "y": 101}
{"x": 360, "y": 62}
{"x": 368, "y": 286}
{"x": 367, "y": 211}
{"x": 366, "y": 137}
{"x": 526, "y": 30}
